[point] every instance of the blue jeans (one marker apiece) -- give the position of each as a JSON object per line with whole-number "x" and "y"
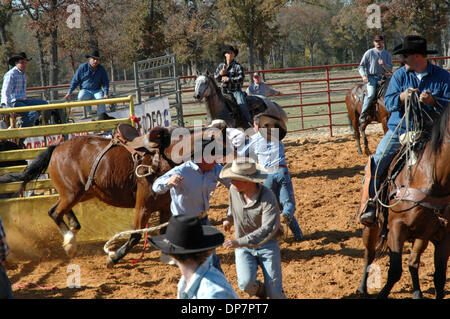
{"x": 386, "y": 150}
{"x": 371, "y": 90}
{"x": 85, "y": 95}
{"x": 214, "y": 259}
{"x": 242, "y": 103}
{"x": 279, "y": 181}
{"x": 28, "y": 118}
{"x": 268, "y": 257}
{"x": 5, "y": 285}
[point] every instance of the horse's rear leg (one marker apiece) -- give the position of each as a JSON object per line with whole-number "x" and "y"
{"x": 74, "y": 224}
{"x": 57, "y": 212}
{"x": 441, "y": 255}
{"x": 418, "y": 248}
{"x": 370, "y": 237}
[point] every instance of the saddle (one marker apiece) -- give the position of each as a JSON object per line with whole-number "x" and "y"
{"x": 255, "y": 105}
{"x": 381, "y": 88}
{"x": 128, "y": 137}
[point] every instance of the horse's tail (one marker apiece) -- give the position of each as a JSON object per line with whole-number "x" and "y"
{"x": 35, "y": 169}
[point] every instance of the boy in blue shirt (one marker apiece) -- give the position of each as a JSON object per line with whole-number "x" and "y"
{"x": 266, "y": 147}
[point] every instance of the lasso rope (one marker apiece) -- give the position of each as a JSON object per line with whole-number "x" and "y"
{"x": 131, "y": 232}
{"x": 417, "y": 123}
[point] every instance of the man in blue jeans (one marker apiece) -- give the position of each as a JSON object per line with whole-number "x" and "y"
{"x": 255, "y": 215}
{"x": 268, "y": 149}
{"x": 91, "y": 77}
{"x": 231, "y": 74}
{"x": 432, "y": 84}
{"x": 14, "y": 89}
{"x": 375, "y": 63}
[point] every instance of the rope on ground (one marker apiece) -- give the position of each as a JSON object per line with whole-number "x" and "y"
{"x": 131, "y": 232}
{"x": 32, "y": 285}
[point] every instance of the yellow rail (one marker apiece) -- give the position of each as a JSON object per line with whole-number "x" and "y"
{"x": 64, "y": 105}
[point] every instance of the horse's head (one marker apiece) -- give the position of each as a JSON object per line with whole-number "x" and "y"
{"x": 202, "y": 87}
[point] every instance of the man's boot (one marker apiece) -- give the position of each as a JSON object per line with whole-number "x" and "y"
{"x": 367, "y": 212}
{"x": 292, "y": 223}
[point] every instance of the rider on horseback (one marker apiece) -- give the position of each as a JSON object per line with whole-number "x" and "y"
{"x": 432, "y": 84}
{"x": 231, "y": 74}
{"x": 375, "y": 63}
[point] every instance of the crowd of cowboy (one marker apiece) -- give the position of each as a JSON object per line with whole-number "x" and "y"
{"x": 260, "y": 188}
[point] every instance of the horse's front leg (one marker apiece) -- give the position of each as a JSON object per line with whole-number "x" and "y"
{"x": 418, "y": 248}
{"x": 441, "y": 255}
{"x": 396, "y": 240}
{"x": 370, "y": 237}
{"x": 140, "y": 221}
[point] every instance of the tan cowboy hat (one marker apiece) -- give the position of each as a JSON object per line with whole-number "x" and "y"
{"x": 244, "y": 169}
{"x": 218, "y": 123}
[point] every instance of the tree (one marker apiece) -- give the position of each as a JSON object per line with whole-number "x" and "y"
{"x": 46, "y": 17}
{"x": 189, "y": 30}
{"x": 7, "y": 44}
{"x": 246, "y": 18}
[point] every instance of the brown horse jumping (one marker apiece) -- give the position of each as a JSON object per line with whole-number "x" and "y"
{"x": 354, "y": 105}
{"x": 419, "y": 211}
{"x": 114, "y": 181}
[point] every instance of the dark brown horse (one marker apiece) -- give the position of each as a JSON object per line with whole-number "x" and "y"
{"x": 354, "y": 101}
{"x": 114, "y": 181}
{"x": 419, "y": 211}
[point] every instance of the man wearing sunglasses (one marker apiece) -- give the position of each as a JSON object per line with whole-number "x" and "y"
{"x": 418, "y": 75}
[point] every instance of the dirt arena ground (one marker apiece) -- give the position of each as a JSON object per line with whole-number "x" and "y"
{"x": 326, "y": 173}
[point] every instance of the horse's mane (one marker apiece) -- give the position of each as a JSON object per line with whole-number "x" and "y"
{"x": 215, "y": 86}
{"x": 439, "y": 130}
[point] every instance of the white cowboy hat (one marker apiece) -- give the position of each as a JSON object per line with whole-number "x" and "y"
{"x": 244, "y": 169}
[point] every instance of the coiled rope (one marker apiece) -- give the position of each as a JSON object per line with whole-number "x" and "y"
{"x": 131, "y": 232}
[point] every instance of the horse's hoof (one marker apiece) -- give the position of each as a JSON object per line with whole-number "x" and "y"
{"x": 70, "y": 245}
{"x": 417, "y": 294}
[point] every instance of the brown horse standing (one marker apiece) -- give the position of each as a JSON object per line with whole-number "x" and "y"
{"x": 114, "y": 183}
{"x": 420, "y": 212}
{"x": 354, "y": 107}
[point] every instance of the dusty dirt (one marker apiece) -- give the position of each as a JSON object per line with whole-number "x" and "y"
{"x": 326, "y": 174}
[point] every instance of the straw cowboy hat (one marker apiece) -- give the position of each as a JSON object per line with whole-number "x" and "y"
{"x": 268, "y": 121}
{"x": 218, "y": 123}
{"x": 21, "y": 56}
{"x": 413, "y": 44}
{"x": 95, "y": 55}
{"x": 186, "y": 235}
{"x": 229, "y": 48}
{"x": 244, "y": 169}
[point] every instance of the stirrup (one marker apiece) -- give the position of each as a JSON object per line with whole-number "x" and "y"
{"x": 368, "y": 214}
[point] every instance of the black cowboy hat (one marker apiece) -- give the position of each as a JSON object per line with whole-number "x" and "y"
{"x": 21, "y": 56}
{"x": 378, "y": 38}
{"x": 229, "y": 48}
{"x": 186, "y": 235}
{"x": 413, "y": 44}
{"x": 95, "y": 55}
